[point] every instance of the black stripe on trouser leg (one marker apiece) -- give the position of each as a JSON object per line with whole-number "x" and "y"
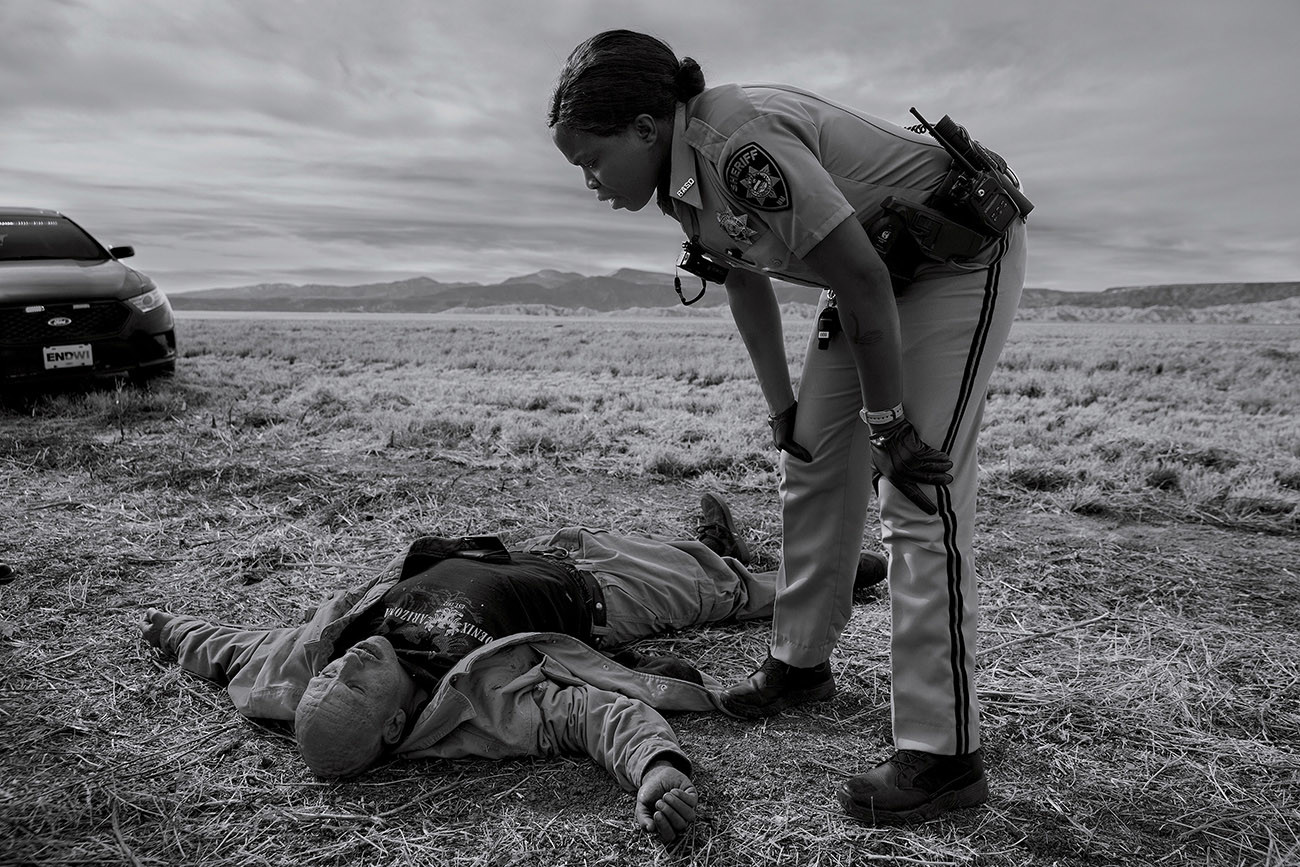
{"x": 956, "y": 622}
{"x": 956, "y": 599}
{"x": 978, "y": 342}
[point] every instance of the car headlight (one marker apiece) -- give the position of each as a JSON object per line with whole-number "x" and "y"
{"x": 151, "y": 300}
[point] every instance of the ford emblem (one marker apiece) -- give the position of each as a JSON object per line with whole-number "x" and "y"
{"x": 59, "y": 322}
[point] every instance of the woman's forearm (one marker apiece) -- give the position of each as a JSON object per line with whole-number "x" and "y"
{"x": 758, "y": 319}
{"x": 868, "y": 315}
{"x": 871, "y": 329}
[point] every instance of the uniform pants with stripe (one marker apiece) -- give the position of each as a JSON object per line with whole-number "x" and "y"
{"x": 954, "y": 324}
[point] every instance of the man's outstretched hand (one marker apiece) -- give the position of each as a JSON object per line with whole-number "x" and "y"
{"x": 665, "y": 803}
{"x": 152, "y": 627}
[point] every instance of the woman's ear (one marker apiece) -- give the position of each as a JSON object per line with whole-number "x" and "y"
{"x": 646, "y": 129}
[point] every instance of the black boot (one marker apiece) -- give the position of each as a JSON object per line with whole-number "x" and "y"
{"x": 776, "y": 686}
{"x": 872, "y": 569}
{"x": 913, "y": 786}
{"x": 717, "y": 531}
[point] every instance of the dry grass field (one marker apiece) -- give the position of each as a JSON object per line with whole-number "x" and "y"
{"x": 1140, "y": 657}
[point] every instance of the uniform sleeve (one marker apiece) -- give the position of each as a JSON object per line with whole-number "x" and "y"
{"x": 772, "y": 166}
{"x": 623, "y": 735}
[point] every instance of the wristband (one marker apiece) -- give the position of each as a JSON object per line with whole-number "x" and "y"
{"x": 772, "y": 417}
{"x": 875, "y": 418}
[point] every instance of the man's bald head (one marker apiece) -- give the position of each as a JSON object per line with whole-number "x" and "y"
{"x": 353, "y": 710}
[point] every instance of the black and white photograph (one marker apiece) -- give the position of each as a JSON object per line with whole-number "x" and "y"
{"x": 596, "y": 432}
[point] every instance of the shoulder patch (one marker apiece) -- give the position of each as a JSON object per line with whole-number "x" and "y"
{"x": 753, "y": 177}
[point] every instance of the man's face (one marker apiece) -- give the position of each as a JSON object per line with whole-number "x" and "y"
{"x": 622, "y": 169}
{"x": 353, "y": 708}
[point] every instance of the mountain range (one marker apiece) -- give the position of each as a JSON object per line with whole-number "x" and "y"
{"x": 628, "y": 289}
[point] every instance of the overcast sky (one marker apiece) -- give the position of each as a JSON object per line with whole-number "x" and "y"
{"x": 252, "y": 141}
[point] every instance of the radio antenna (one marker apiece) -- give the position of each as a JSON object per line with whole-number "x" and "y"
{"x": 952, "y": 151}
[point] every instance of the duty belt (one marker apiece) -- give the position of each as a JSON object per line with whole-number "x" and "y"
{"x": 907, "y": 233}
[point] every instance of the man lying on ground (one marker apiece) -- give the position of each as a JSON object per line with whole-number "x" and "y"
{"x": 462, "y": 648}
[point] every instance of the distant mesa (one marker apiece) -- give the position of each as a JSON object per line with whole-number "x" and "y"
{"x": 630, "y": 289}
{"x": 625, "y": 289}
{"x": 1169, "y": 295}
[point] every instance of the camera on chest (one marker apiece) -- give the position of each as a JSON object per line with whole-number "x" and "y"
{"x": 695, "y": 260}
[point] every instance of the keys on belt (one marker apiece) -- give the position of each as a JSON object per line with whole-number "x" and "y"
{"x": 828, "y": 325}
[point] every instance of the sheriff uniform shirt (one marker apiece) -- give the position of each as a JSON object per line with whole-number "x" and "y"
{"x": 761, "y": 174}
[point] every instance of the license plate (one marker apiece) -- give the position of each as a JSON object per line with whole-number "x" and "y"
{"x": 72, "y": 355}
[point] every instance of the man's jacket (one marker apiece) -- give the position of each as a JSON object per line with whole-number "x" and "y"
{"x": 532, "y": 694}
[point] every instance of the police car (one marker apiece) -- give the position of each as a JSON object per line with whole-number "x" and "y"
{"x": 70, "y": 310}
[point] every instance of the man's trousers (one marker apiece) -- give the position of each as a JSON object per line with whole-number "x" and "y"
{"x": 653, "y": 585}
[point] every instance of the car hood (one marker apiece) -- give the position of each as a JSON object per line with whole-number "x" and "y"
{"x": 68, "y": 280}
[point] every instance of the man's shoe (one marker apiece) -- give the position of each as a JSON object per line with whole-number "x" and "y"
{"x": 777, "y": 686}
{"x": 872, "y": 569}
{"x": 913, "y": 786}
{"x": 717, "y": 531}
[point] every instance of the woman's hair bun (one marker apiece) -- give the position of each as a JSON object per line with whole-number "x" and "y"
{"x": 689, "y": 80}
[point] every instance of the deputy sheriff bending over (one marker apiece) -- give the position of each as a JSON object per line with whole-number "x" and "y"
{"x": 461, "y": 648}
{"x": 916, "y": 240}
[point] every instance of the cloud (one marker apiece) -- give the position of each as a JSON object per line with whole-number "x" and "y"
{"x": 327, "y": 137}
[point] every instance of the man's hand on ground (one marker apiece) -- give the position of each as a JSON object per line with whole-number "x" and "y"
{"x": 665, "y": 803}
{"x": 152, "y": 627}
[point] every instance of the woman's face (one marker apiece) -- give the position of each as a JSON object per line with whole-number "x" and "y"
{"x": 623, "y": 169}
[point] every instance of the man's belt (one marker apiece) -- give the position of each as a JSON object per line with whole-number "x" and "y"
{"x": 594, "y": 598}
{"x": 588, "y": 588}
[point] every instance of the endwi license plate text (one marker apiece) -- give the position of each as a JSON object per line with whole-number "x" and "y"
{"x": 74, "y": 355}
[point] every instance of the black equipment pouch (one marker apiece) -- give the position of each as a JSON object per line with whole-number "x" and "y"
{"x": 905, "y": 234}
{"x": 937, "y": 236}
{"x": 980, "y": 200}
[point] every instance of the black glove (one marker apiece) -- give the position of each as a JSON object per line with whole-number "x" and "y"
{"x": 782, "y": 425}
{"x": 900, "y": 456}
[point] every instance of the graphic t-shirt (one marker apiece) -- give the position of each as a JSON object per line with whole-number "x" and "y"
{"x": 437, "y": 616}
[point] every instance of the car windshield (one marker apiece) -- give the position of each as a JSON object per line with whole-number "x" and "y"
{"x": 24, "y": 237}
